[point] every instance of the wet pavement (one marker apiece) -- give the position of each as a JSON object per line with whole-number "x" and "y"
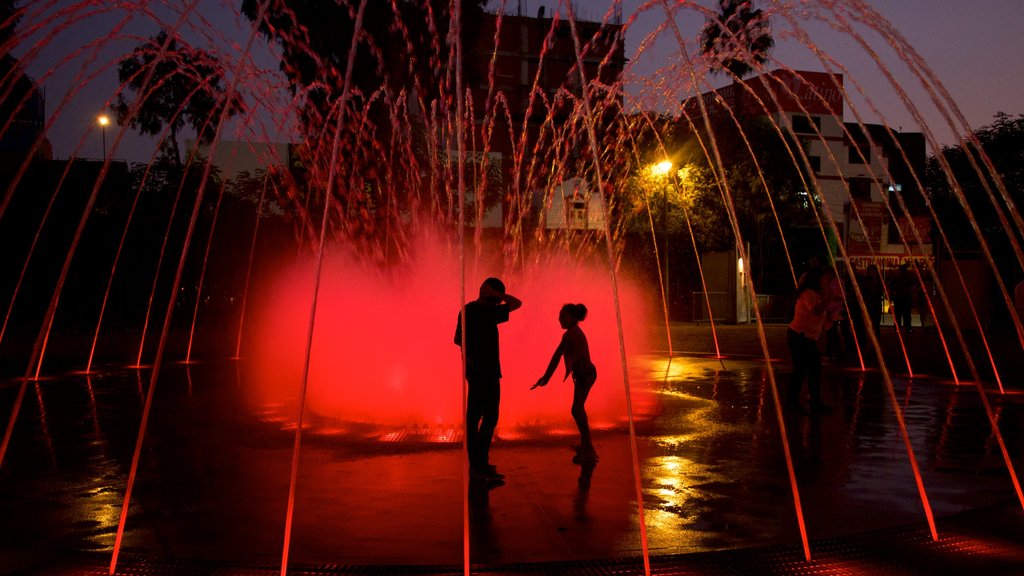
{"x": 213, "y": 478}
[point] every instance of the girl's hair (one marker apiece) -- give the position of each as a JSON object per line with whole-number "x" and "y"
{"x": 577, "y": 312}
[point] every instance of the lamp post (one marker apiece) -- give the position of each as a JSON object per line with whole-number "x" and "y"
{"x": 662, "y": 169}
{"x": 103, "y": 120}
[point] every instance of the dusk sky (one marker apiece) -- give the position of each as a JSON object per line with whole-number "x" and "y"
{"x": 974, "y": 48}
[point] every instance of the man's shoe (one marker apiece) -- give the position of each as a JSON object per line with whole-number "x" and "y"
{"x": 486, "y": 472}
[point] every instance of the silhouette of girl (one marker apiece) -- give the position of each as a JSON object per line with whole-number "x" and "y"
{"x": 815, "y": 295}
{"x": 576, "y": 352}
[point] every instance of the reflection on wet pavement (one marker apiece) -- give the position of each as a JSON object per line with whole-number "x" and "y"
{"x": 213, "y": 476}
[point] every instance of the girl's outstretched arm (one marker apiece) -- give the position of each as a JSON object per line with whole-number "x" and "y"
{"x": 552, "y": 366}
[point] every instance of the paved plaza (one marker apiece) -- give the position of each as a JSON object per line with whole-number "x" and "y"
{"x": 213, "y": 481}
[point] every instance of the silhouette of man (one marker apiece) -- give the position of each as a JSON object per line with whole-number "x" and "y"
{"x": 483, "y": 371}
{"x": 901, "y": 290}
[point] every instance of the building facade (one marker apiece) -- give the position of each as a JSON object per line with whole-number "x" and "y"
{"x": 867, "y": 175}
{"x": 528, "y": 83}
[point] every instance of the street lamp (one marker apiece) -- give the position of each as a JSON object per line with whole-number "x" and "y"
{"x": 662, "y": 169}
{"x": 103, "y": 120}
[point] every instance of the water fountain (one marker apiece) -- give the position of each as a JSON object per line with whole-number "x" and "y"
{"x": 218, "y": 353}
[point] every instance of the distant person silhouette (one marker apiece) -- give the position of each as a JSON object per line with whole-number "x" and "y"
{"x": 483, "y": 371}
{"x": 576, "y": 352}
{"x": 874, "y": 294}
{"x": 814, "y": 264}
{"x": 901, "y": 290}
{"x": 813, "y": 301}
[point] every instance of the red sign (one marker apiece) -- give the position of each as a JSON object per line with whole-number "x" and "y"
{"x": 801, "y": 92}
{"x": 867, "y": 239}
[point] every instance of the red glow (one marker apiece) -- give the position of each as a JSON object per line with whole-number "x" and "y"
{"x": 383, "y": 350}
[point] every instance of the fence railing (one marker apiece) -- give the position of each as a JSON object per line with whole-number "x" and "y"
{"x": 775, "y": 308}
{"x": 719, "y": 302}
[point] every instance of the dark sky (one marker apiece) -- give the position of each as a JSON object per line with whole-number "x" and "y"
{"x": 974, "y": 48}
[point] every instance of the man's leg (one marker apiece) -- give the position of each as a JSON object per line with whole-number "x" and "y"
{"x": 474, "y": 413}
{"x": 903, "y": 315}
{"x": 489, "y": 401}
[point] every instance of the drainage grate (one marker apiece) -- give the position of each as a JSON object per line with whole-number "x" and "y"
{"x": 987, "y": 541}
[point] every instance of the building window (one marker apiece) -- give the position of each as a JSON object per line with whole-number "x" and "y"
{"x": 859, "y": 153}
{"x": 806, "y": 124}
{"x": 575, "y": 214}
{"x": 815, "y": 163}
{"x": 860, "y": 188}
{"x": 894, "y": 237}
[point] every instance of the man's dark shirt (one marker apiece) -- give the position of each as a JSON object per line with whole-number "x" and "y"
{"x": 482, "y": 357}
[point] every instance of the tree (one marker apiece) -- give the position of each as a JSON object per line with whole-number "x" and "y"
{"x": 174, "y": 85}
{"x": 737, "y": 39}
{"x": 761, "y": 187}
{"x": 9, "y": 18}
{"x": 1003, "y": 143}
{"x": 16, "y": 88}
{"x": 403, "y": 46}
{"x": 393, "y": 130}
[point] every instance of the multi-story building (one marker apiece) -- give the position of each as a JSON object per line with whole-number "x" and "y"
{"x": 885, "y": 207}
{"x": 867, "y": 175}
{"x": 535, "y": 76}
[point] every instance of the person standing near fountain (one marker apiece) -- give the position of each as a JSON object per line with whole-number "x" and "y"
{"x": 576, "y": 352}
{"x": 483, "y": 371}
{"x": 814, "y": 298}
{"x": 901, "y": 290}
{"x": 874, "y": 294}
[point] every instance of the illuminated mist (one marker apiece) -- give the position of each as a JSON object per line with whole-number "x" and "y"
{"x": 383, "y": 350}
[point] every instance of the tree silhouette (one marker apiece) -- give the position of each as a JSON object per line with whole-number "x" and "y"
{"x": 9, "y": 18}
{"x": 403, "y": 44}
{"x": 739, "y": 38}
{"x": 16, "y": 88}
{"x": 1003, "y": 143}
{"x": 402, "y": 82}
{"x": 174, "y": 86}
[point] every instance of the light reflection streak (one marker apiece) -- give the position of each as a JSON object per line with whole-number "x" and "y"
{"x": 94, "y": 417}
{"x": 672, "y": 489}
{"x": 44, "y": 425}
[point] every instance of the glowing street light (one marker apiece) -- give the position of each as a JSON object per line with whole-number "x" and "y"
{"x": 661, "y": 168}
{"x": 103, "y": 120}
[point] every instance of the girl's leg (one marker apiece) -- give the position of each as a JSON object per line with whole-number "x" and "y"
{"x": 814, "y": 377}
{"x": 581, "y": 389}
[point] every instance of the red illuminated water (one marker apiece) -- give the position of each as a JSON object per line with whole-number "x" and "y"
{"x": 376, "y": 356}
{"x": 383, "y": 350}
